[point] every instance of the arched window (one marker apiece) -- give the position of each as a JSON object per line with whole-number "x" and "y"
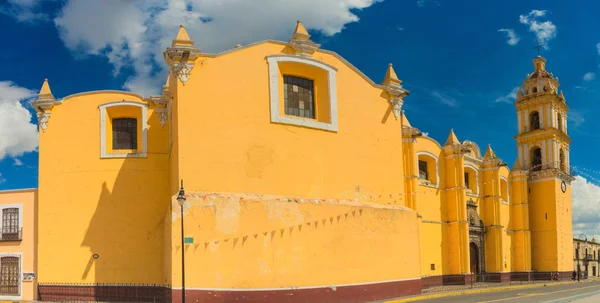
{"x": 535, "y": 90}
{"x": 559, "y": 121}
{"x": 536, "y": 159}
{"x": 428, "y": 170}
{"x": 561, "y": 159}
{"x": 504, "y": 189}
{"x": 534, "y": 121}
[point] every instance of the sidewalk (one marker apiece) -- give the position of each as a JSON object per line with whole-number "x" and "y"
{"x": 446, "y": 291}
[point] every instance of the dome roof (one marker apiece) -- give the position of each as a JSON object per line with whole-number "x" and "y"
{"x": 540, "y": 74}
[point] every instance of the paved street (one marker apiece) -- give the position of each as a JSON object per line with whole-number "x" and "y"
{"x": 585, "y": 292}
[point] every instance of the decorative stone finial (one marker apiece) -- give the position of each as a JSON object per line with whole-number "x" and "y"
{"x": 489, "y": 153}
{"x": 516, "y": 166}
{"x": 300, "y": 41}
{"x": 43, "y": 105}
{"x": 519, "y": 93}
{"x": 452, "y": 139}
{"x": 182, "y": 38}
{"x": 405, "y": 121}
{"x": 390, "y": 76}
{"x": 181, "y": 55}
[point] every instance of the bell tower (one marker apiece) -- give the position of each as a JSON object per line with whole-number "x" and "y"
{"x": 543, "y": 159}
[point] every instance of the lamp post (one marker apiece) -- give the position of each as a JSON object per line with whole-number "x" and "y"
{"x": 582, "y": 237}
{"x": 181, "y": 201}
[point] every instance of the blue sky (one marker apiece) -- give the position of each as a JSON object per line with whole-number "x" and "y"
{"x": 455, "y": 56}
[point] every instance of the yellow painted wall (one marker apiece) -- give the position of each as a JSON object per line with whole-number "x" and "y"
{"x": 242, "y": 146}
{"x": 250, "y": 241}
{"x": 28, "y": 200}
{"x": 110, "y": 207}
{"x": 239, "y": 150}
{"x": 542, "y": 218}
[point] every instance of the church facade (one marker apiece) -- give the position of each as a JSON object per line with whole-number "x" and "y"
{"x": 303, "y": 180}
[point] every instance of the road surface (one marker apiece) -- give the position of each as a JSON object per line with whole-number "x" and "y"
{"x": 584, "y": 292}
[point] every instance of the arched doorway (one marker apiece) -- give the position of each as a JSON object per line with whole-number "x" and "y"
{"x": 474, "y": 253}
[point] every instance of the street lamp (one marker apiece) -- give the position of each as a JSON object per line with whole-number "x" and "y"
{"x": 582, "y": 237}
{"x": 181, "y": 201}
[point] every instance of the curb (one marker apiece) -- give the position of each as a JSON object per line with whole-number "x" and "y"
{"x": 473, "y": 291}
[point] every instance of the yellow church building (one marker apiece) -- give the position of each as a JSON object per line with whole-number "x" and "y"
{"x": 303, "y": 182}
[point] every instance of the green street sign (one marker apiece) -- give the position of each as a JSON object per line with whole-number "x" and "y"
{"x": 188, "y": 240}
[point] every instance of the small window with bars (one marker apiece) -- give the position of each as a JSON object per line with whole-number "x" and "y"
{"x": 298, "y": 94}
{"x": 10, "y": 224}
{"x": 124, "y": 133}
{"x": 9, "y": 276}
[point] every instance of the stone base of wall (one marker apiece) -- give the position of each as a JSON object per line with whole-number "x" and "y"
{"x": 347, "y": 294}
{"x": 502, "y": 277}
{"x": 104, "y": 293}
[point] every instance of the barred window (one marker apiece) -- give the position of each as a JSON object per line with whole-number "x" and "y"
{"x": 10, "y": 223}
{"x": 9, "y": 276}
{"x": 298, "y": 94}
{"x": 124, "y": 133}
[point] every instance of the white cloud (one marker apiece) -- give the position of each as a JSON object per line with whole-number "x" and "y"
{"x": 135, "y": 33}
{"x": 508, "y": 98}
{"x": 544, "y": 31}
{"x": 24, "y": 10}
{"x": 513, "y": 39}
{"x": 445, "y": 99}
{"x": 17, "y": 162}
{"x": 598, "y": 48}
{"x": 2, "y": 179}
{"x": 17, "y": 134}
{"x": 589, "y": 76}
{"x": 423, "y": 3}
{"x": 586, "y": 202}
{"x": 576, "y": 117}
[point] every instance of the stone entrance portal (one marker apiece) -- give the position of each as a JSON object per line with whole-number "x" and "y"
{"x": 476, "y": 244}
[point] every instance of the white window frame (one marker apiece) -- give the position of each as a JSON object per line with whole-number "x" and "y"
{"x": 277, "y": 117}
{"x": 437, "y": 168}
{"x": 103, "y": 130}
{"x": 20, "y": 256}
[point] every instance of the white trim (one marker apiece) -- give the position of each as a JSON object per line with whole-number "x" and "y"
{"x": 298, "y": 287}
{"x": 469, "y": 165}
{"x": 437, "y": 168}
{"x": 144, "y": 108}
{"x": 276, "y": 117}
{"x": 519, "y": 122}
{"x": 20, "y": 256}
{"x": 123, "y": 92}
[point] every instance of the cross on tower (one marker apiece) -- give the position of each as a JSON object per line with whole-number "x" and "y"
{"x": 538, "y": 46}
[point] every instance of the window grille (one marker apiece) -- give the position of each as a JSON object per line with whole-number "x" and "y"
{"x": 10, "y": 224}
{"x": 298, "y": 94}
{"x": 124, "y": 133}
{"x": 9, "y": 276}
